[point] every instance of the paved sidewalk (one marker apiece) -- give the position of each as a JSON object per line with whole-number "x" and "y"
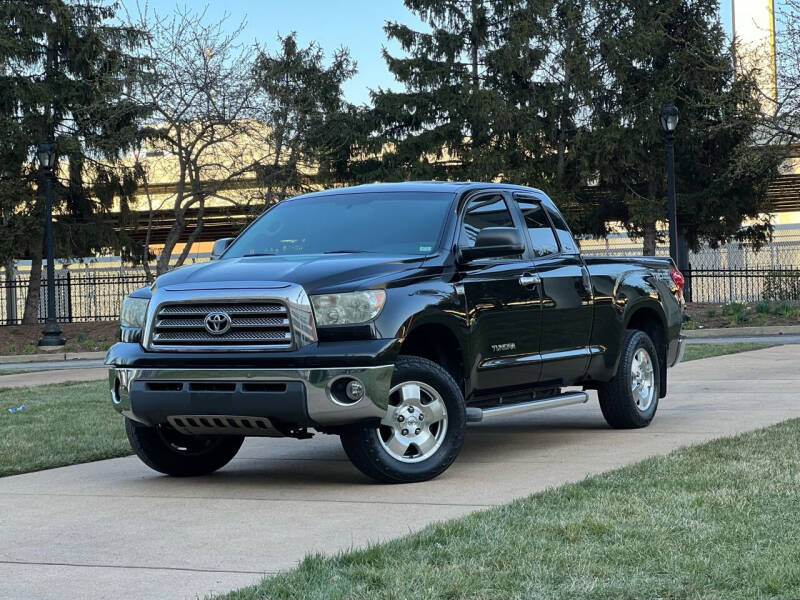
{"x": 755, "y": 339}
{"x": 52, "y": 366}
{"x": 115, "y": 529}
{"x": 52, "y": 376}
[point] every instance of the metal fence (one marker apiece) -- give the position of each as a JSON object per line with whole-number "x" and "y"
{"x": 97, "y": 295}
{"x": 80, "y": 296}
{"x": 742, "y": 285}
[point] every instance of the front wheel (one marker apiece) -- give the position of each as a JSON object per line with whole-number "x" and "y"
{"x": 630, "y": 399}
{"x": 167, "y": 451}
{"x": 422, "y": 432}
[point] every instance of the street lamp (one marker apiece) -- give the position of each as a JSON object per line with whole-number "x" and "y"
{"x": 669, "y": 123}
{"x": 51, "y": 336}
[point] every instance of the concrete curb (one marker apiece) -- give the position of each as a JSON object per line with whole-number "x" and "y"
{"x": 60, "y": 357}
{"x": 743, "y": 331}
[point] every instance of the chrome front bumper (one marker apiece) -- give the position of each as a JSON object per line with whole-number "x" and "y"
{"x": 149, "y": 395}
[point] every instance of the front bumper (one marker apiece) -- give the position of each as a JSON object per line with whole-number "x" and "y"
{"x": 296, "y": 397}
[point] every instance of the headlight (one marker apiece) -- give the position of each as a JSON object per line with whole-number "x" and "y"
{"x": 134, "y": 312}
{"x": 348, "y": 309}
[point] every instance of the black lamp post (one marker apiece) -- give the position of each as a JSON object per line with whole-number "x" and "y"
{"x": 669, "y": 123}
{"x": 51, "y": 336}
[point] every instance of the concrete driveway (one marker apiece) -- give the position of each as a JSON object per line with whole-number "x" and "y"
{"x": 115, "y": 529}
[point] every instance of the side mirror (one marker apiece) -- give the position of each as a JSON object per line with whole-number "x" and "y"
{"x": 493, "y": 242}
{"x": 219, "y": 247}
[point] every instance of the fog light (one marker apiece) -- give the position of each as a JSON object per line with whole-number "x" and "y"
{"x": 354, "y": 390}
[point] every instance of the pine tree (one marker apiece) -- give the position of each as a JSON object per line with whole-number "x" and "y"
{"x": 308, "y": 122}
{"x": 65, "y": 70}
{"x": 452, "y": 120}
{"x": 675, "y": 51}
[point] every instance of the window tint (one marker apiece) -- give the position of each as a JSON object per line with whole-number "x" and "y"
{"x": 568, "y": 245}
{"x": 542, "y": 238}
{"x": 483, "y": 212}
{"x": 348, "y": 222}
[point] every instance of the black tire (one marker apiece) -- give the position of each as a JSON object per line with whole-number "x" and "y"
{"x": 617, "y": 400}
{"x": 368, "y": 454}
{"x": 165, "y": 450}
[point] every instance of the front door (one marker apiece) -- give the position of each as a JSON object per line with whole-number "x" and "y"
{"x": 503, "y": 306}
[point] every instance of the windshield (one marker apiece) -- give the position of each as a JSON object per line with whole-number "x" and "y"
{"x": 383, "y": 222}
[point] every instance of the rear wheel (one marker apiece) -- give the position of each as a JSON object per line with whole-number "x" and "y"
{"x": 630, "y": 399}
{"x": 165, "y": 450}
{"x": 423, "y": 429}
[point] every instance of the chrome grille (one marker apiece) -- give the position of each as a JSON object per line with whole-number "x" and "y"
{"x": 253, "y": 325}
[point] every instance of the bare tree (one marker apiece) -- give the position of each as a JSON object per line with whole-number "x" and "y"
{"x": 781, "y": 103}
{"x": 202, "y": 94}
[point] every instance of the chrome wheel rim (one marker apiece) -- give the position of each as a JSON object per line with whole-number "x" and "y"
{"x": 642, "y": 379}
{"x": 415, "y": 424}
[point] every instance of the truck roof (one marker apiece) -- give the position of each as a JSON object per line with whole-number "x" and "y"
{"x": 420, "y": 186}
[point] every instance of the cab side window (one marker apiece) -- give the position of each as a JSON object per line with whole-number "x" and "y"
{"x": 568, "y": 245}
{"x": 483, "y": 212}
{"x": 539, "y": 230}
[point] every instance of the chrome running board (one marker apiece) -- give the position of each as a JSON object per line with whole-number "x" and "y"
{"x": 476, "y": 415}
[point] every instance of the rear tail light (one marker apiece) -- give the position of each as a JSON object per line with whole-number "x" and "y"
{"x": 677, "y": 278}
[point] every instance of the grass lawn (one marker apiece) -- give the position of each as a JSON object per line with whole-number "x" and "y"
{"x": 696, "y": 351}
{"x": 718, "y": 520}
{"x": 62, "y": 425}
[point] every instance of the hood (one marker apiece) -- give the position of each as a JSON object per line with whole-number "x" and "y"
{"x": 316, "y": 273}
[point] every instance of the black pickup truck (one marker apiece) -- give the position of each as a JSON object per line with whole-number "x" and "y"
{"x": 390, "y": 315}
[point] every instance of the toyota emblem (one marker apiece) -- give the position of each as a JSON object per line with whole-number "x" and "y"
{"x": 217, "y": 323}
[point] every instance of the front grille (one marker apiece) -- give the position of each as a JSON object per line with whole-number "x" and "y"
{"x": 253, "y": 325}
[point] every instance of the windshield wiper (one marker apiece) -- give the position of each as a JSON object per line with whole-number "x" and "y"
{"x": 260, "y": 254}
{"x": 345, "y": 252}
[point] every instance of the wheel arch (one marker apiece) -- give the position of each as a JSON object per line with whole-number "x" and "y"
{"x": 439, "y": 343}
{"x": 649, "y": 318}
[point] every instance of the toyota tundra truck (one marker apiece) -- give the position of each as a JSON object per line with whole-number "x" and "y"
{"x": 391, "y": 315}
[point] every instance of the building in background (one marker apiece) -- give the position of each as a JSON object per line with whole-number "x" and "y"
{"x": 753, "y": 24}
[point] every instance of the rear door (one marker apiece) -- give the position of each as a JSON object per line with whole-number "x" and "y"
{"x": 503, "y": 307}
{"x": 566, "y": 296}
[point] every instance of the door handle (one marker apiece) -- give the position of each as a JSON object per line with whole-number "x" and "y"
{"x": 529, "y": 280}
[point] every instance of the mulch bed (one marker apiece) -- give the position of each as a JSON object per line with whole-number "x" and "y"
{"x": 706, "y": 315}
{"x": 81, "y": 337}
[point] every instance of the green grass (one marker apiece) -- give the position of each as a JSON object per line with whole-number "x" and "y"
{"x": 62, "y": 425}
{"x": 718, "y": 520}
{"x": 697, "y": 351}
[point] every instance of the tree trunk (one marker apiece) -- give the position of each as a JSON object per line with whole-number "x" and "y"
{"x": 11, "y": 293}
{"x": 32, "y": 300}
{"x": 649, "y": 245}
{"x": 193, "y": 236}
{"x": 561, "y": 165}
{"x": 175, "y": 232}
{"x": 476, "y": 127}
